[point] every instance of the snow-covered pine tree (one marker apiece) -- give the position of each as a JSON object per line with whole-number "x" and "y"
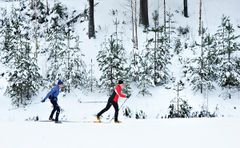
{"x": 160, "y": 52}
{"x": 135, "y": 66}
{"x": 8, "y": 53}
{"x": 112, "y": 62}
{"x": 75, "y": 68}
{"x": 105, "y": 62}
{"x": 170, "y": 27}
{"x": 91, "y": 82}
{"x": 227, "y": 46}
{"x": 38, "y": 16}
{"x": 56, "y": 40}
{"x": 179, "y": 108}
{"x": 38, "y": 11}
{"x": 24, "y": 80}
{"x": 145, "y": 73}
{"x": 201, "y": 71}
{"x": 135, "y": 54}
{"x": 182, "y": 40}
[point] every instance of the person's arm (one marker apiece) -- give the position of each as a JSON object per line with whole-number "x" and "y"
{"x": 49, "y": 94}
{"x": 118, "y": 90}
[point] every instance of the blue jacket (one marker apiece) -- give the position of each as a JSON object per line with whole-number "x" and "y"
{"x": 53, "y": 93}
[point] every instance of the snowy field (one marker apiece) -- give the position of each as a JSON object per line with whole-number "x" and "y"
{"x": 153, "y": 132}
{"x": 162, "y": 133}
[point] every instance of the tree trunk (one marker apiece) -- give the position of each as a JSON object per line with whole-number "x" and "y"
{"x": 68, "y": 60}
{"x": 91, "y": 28}
{"x": 143, "y": 16}
{"x": 155, "y": 47}
{"x": 47, "y": 8}
{"x": 202, "y": 54}
{"x": 185, "y": 10}
{"x": 133, "y": 31}
{"x": 200, "y": 18}
{"x": 91, "y": 81}
{"x": 164, "y": 16}
{"x": 136, "y": 32}
{"x": 31, "y": 4}
{"x": 35, "y": 25}
{"x": 132, "y": 17}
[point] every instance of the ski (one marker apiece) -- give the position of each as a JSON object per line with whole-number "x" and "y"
{"x": 83, "y": 121}
{"x": 59, "y": 122}
{"x": 44, "y": 121}
{"x": 80, "y": 101}
{"x": 66, "y": 121}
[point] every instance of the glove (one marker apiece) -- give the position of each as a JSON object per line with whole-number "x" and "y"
{"x": 128, "y": 96}
{"x": 43, "y": 101}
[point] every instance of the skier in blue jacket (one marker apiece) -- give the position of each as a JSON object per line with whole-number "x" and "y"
{"x": 52, "y": 95}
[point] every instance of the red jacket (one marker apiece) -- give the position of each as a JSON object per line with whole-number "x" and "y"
{"x": 118, "y": 91}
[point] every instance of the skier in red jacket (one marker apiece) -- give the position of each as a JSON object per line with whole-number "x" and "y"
{"x": 113, "y": 101}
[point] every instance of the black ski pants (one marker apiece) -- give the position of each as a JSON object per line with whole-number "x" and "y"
{"x": 109, "y": 104}
{"x": 56, "y": 107}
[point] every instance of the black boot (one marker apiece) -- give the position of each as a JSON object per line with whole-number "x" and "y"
{"x": 57, "y": 114}
{"x": 58, "y": 121}
{"x": 98, "y": 118}
{"x": 116, "y": 121}
{"x": 51, "y": 119}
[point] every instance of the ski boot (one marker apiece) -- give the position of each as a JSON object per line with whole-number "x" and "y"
{"x": 117, "y": 121}
{"x": 56, "y": 121}
{"x": 98, "y": 119}
{"x": 51, "y": 119}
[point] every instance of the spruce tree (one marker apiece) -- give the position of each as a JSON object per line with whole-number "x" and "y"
{"x": 91, "y": 81}
{"x": 75, "y": 68}
{"x": 145, "y": 72}
{"x": 170, "y": 28}
{"x": 36, "y": 12}
{"x": 24, "y": 79}
{"x": 112, "y": 63}
{"x": 7, "y": 44}
{"x": 201, "y": 70}
{"x": 56, "y": 42}
{"x": 227, "y": 46}
{"x": 135, "y": 65}
{"x": 160, "y": 54}
{"x": 105, "y": 62}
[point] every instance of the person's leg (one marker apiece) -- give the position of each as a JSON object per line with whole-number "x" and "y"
{"x": 109, "y": 104}
{"x": 58, "y": 112}
{"x": 53, "y": 111}
{"x": 115, "y": 105}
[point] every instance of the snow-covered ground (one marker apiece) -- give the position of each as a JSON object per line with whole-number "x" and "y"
{"x": 153, "y": 132}
{"x": 164, "y": 133}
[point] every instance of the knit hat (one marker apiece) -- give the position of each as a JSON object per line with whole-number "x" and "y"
{"x": 60, "y": 82}
{"x": 120, "y": 82}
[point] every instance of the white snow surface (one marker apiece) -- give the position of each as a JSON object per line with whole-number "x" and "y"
{"x": 153, "y": 132}
{"x": 166, "y": 133}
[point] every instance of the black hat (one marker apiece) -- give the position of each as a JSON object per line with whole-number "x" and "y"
{"x": 120, "y": 82}
{"x": 60, "y": 82}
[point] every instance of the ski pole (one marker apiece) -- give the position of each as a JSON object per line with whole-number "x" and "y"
{"x": 120, "y": 108}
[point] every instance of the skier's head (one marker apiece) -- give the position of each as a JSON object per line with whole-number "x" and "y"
{"x": 60, "y": 83}
{"x": 120, "y": 82}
